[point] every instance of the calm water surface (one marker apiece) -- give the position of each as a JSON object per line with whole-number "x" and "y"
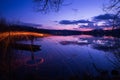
{"x": 47, "y": 57}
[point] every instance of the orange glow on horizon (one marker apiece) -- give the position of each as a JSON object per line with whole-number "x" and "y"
{"x": 12, "y": 34}
{"x": 18, "y": 33}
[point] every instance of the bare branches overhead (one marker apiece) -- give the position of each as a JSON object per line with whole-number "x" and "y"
{"x": 48, "y": 5}
{"x": 114, "y": 6}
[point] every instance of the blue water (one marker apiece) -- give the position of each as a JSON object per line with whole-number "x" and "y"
{"x": 66, "y": 57}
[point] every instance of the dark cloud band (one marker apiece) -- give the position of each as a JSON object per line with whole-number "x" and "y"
{"x": 105, "y": 17}
{"x": 69, "y": 22}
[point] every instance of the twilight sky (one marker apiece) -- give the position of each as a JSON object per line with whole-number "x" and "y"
{"x": 25, "y": 11}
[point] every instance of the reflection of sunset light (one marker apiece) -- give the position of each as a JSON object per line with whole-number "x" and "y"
{"x": 85, "y": 36}
{"x": 108, "y": 37}
{"x": 85, "y": 29}
{"x": 6, "y": 34}
{"x": 23, "y": 61}
{"x": 70, "y": 38}
{"x": 36, "y": 62}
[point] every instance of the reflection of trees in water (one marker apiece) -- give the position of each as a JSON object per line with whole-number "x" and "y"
{"x": 112, "y": 46}
{"x": 107, "y": 45}
{"x": 116, "y": 58}
{"x": 10, "y": 60}
{"x": 104, "y": 74}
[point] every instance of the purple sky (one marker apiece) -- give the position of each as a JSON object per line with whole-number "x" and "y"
{"x": 24, "y": 11}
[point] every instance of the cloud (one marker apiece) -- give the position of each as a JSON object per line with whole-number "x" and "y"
{"x": 108, "y": 19}
{"x": 104, "y": 17}
{"x": 73, "y": 22}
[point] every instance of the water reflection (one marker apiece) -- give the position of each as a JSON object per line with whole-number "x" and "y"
{"x": 112, "y": 46}
{"x": 26, "y": 55}
{"x": 104, "y": 44}
{"x": 107, "y": 44}
{"x": 80, "y": 42}
{"x": 15, "y": 55}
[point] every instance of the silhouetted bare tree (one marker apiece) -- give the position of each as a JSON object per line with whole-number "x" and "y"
{"x": 114, "y": 7}
{"x": 48, "y": 5}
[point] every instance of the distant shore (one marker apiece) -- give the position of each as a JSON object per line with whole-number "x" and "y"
{"x": 95, "y": 32}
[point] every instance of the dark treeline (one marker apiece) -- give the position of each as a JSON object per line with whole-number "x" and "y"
{"x": 95, "y": 32}
{"x": 100, "y": 32}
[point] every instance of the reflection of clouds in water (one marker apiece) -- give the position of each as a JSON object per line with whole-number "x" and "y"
{"x": 106, "y": 45}
{"x": 80, "y": 42}
{"x": 112, "y": 46}
{"x": 56, "y": 57}
{"x": 99, "y": 43}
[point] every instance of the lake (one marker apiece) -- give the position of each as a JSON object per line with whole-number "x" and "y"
{"x": 35, "y": 56}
